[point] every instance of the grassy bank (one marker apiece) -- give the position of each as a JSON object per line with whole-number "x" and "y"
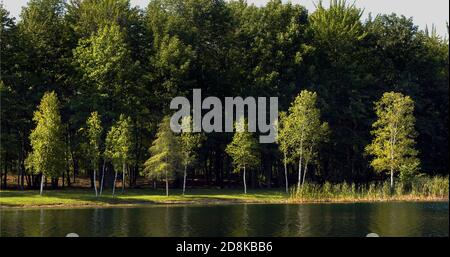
{"x": 84, "y": 197}
{"x": 422, "y": 188}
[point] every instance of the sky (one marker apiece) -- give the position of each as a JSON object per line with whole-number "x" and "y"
{"x": 424, "y": 12}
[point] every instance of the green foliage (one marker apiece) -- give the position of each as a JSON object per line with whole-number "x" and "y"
{"x": 109, "y": 57}
{"x": 94, "y": 133}
{"x": 243, "y": 149}
{"x": 190, "y": 141}
{"x": 303, "y": 131}
{"x": 43, "y": 24}
{"x": 119, "y": 142}
{"x": 284, "y": 136}
{"x": 271, "y": 47}
{"x": 304, "y": 127}
{"x": 166, "y": 158}
{"x": 104, "y": 58}
{"x": 340, "y": 23}
{"x": 408, "y": 172}
{"x": 48, "y": 152}
{"x": 89, "y": 16}
{"x": 393, "y": 145}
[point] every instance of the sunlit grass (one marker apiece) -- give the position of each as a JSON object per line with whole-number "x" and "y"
{"x": 436, "y": 188}
{"x": 80, "y": 197}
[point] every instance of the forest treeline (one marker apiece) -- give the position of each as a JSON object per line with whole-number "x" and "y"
{"x": 108, "y": 63}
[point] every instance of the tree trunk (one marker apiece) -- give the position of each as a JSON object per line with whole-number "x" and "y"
{"x": 167, "y": 185}
{"x": 184, "y": 179}
{"x": 95, "y": 181}
{"x": 304, "y": 172}
{"x": 5, "y": 180}
{"x": 42, "y": 184}
{"x": 131, "y": 174}
{"x": 28, "y": 179}
{"x": 18, "y": 179}
{"x": 75, "y": 168}
{"x": 123, "y": 177}
{"x": 103, "y": 176}
{"x": 68, "y": 177}
{"x": 392, "y": 178}
{"x": 114, "y": 184}
{"x": 245, "y": 184}
{"x": 299, "y": 172}
{"x": 285, "y": 173}
{"x": 63, "y": 179}
{"x": 300, "y": 162}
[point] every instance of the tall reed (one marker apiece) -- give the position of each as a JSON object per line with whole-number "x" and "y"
{"x": 420, "y": 188}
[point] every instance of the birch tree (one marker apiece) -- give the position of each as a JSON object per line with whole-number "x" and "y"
{"x": 320, "y": 134}
{"x": 394, "y": 135}
{"x": 118, "y": 147}
{"x": 283, "y": 142}
{"x": 243, "y": 150}
{"x": 48, "y": 154}
{"x": 190, "y": 142}
{"x": 94, "y": 132}
{"x": 304, "y": 130}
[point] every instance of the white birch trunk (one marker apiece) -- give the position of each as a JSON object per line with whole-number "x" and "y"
{"x": 167, "y": 185}
{"x": 285, "y": 173}
{"x": 184, "y": 179}
{"x": 42, "y": 185}
{"x": 299, "y": 172}
{"x": 103, "y": 176}
{"x": 304, "y": 172}
{"x": 95, "y": 184}
{"x": 123, "y": 177}
{"x": 300, "y": 162}
{"x": 245, "y": 184}
{"x": 114, "y": 184}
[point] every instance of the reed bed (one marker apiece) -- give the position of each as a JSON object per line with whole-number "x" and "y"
{"x": 421, "y": 188}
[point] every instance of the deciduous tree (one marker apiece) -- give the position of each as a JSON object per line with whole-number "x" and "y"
{"x": 48, "y": 153}
{"x": 118, "y": 146}
{"x": 393, "y": 144}
{"x": 94, "y": 133}
{"x": 305, "y": 130}
{"x": 190, "y": 143}
{"x": 243, "y": 150}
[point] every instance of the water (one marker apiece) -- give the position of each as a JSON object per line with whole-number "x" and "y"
{"x": 385, "y": 219}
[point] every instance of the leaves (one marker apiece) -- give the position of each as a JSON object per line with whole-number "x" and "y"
{"x": 393, "y": 145}
{"x": 48, "y": 152}
{"x": 301, "y": 130}
{"x": 243, "y": 149}
{"x": 119, "y": 142}
{"x": 94, "y": 133}
{"x": 165, "y": 152}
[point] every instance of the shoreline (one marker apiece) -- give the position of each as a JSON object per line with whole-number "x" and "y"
{"x": 210, "y": 202}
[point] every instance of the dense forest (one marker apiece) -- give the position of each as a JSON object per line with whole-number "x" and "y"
{"x": 112, "y": 67}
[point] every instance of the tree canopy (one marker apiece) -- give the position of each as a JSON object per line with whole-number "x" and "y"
{"x": 394, "y": 134}
{"x": 120, "y": 61}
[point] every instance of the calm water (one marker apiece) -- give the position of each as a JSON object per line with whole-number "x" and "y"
{"x": 386, "y": 219}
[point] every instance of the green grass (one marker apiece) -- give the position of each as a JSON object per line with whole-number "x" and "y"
{"x": 420, "y": 188}
{"x": 84, "y": 197}
{"x": 423, "y": 188}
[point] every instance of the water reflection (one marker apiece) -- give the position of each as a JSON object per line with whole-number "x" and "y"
{"x": 385, "y": 219}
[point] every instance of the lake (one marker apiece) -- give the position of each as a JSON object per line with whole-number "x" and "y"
{"x": 356, "y": 219}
